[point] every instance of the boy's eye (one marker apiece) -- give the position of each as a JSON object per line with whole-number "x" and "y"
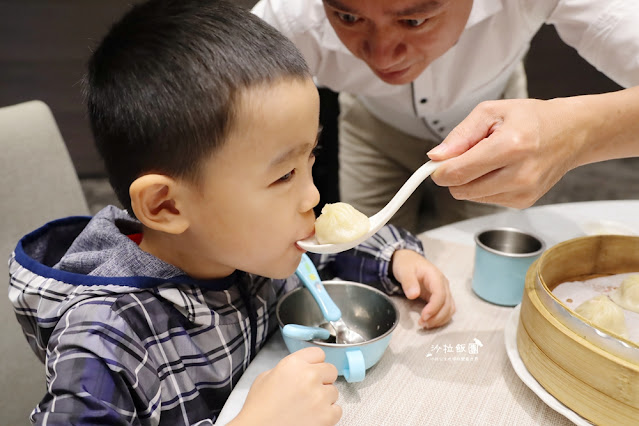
{"x": 346, "y": 17}
{"x": 287, "y": 176}
{"x": 316, "y": 150}
{"x": 414, "y": 23}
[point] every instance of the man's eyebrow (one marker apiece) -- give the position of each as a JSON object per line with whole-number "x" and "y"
{"x": 339, "y": 5}
{"x": 423, "y": 7}
{"x": 294, "y": 152}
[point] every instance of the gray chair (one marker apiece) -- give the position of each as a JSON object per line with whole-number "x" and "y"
{"x": 38, "y": 184}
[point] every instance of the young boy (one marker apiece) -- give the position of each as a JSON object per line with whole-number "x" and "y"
{"x": 207, "y": 119}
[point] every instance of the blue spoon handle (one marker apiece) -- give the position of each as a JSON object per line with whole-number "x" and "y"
{"x": 303, "y": 332}
{"x": 310, "y": 278}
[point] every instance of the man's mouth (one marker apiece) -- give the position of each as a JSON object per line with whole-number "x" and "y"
{"x": 392, "y": 74}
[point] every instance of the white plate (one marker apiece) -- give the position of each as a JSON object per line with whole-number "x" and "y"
{"x": 510, "y": 337}
{"x": 607, "y": 227}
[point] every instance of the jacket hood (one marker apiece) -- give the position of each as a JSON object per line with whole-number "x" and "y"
{"x": 70, "y": 260}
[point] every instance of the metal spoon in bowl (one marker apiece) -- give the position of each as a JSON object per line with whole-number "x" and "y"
{"x": 310, "y": 278}
{"x": 380, "y": 218}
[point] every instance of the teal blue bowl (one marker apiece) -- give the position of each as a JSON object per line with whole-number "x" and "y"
{"x": 364, "y": 309}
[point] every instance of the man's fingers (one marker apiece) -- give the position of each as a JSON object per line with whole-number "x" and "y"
{"x": 478, "y": 125}
{"x": 480, "y": 188}
{"x": 502, "y": 188}
{"x": 473, "y": 164}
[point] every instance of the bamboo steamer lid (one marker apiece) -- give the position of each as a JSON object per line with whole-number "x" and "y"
{"x": 592, "y": 372}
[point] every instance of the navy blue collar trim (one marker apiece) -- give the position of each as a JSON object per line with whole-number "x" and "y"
{"x": 89, "y": 280}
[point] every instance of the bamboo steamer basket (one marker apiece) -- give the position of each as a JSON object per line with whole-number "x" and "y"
{"x": 591, "y": 371}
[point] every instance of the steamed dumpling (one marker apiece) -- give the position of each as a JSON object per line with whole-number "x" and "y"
{"x": 627, "y": 295}
{"x": 340, "y": 223}
{"x": 604, "y": 314}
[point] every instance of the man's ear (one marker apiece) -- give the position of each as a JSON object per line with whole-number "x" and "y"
{"x": 155, "y": 202}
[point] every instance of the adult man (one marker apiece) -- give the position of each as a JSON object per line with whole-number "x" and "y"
{"x": 409, "y": 71}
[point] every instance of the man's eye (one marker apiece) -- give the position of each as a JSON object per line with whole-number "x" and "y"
{"x": 287, "y": 176}
{"x": 346, "y": 17}
{"x": 414, "y": 23}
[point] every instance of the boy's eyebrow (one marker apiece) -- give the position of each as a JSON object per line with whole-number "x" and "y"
{"x": 294, "y": 152}
{"x": 425, "y": 6}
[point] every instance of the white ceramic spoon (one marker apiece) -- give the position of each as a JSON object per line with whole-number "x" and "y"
{"x": 380, "y": 218}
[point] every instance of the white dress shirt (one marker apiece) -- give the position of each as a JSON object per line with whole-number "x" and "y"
{"x": 495, "y": 40}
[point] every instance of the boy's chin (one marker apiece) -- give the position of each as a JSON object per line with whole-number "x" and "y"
{"x": 284, "y": 274}
{"x": 283, "y": 271}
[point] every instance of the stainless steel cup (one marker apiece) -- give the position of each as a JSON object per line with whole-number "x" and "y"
{"x": 502, "y": 258}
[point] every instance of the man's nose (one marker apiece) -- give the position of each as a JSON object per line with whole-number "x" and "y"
{"x": 382, "y": 49}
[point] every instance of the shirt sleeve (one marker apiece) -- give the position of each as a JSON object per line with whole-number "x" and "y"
{"x": 605, "y": 33}
{"x": 369, "y": 262}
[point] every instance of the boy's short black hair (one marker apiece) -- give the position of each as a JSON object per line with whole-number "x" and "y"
{"x": 162, "y": 85}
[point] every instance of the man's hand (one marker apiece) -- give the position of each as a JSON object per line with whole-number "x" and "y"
{"x": 508, "y": 152}
{"x": 511, "y": 152}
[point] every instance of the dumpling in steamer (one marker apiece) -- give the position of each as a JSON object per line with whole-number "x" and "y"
{"x": 627, "y": 295}
{"x": 605, "y": 314}
{"x": 340, "y": 223}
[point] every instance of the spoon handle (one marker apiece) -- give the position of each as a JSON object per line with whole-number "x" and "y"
{"x": 381, "y": 217}
{"x": 304, "y": 332}
{"x": 310, "y": 278}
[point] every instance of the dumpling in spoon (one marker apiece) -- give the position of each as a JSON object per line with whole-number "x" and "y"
{"x": 627, "y": 295}
{"x": 605, "y": 314}
{"x": 340, "y": 223}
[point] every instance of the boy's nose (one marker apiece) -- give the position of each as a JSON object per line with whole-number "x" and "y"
{"x": 310, "y": 198}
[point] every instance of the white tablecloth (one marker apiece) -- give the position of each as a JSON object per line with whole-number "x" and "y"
{"x": 459, "y": 373}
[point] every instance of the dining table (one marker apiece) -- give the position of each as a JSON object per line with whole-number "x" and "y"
{"x": 469, "y": 370}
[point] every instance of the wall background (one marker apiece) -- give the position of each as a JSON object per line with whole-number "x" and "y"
{"x": 44, "y": 46}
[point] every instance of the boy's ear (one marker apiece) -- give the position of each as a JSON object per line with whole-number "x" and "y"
{"x": 155, "y": 202}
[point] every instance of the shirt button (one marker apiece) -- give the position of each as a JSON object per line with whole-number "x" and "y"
{"x": 435, "y": 122}
{"x": 423, "y": 100}
{"x": 441, "y": 129}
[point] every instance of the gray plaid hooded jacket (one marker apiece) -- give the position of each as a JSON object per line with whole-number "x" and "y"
{"x": 129, "y": 339}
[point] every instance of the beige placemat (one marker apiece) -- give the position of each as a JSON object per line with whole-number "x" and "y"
{"x": 456, "y": 374}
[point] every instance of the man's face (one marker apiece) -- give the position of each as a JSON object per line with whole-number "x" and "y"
{"x": 398, "y": 39}
{"x": 257, "y": 195}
